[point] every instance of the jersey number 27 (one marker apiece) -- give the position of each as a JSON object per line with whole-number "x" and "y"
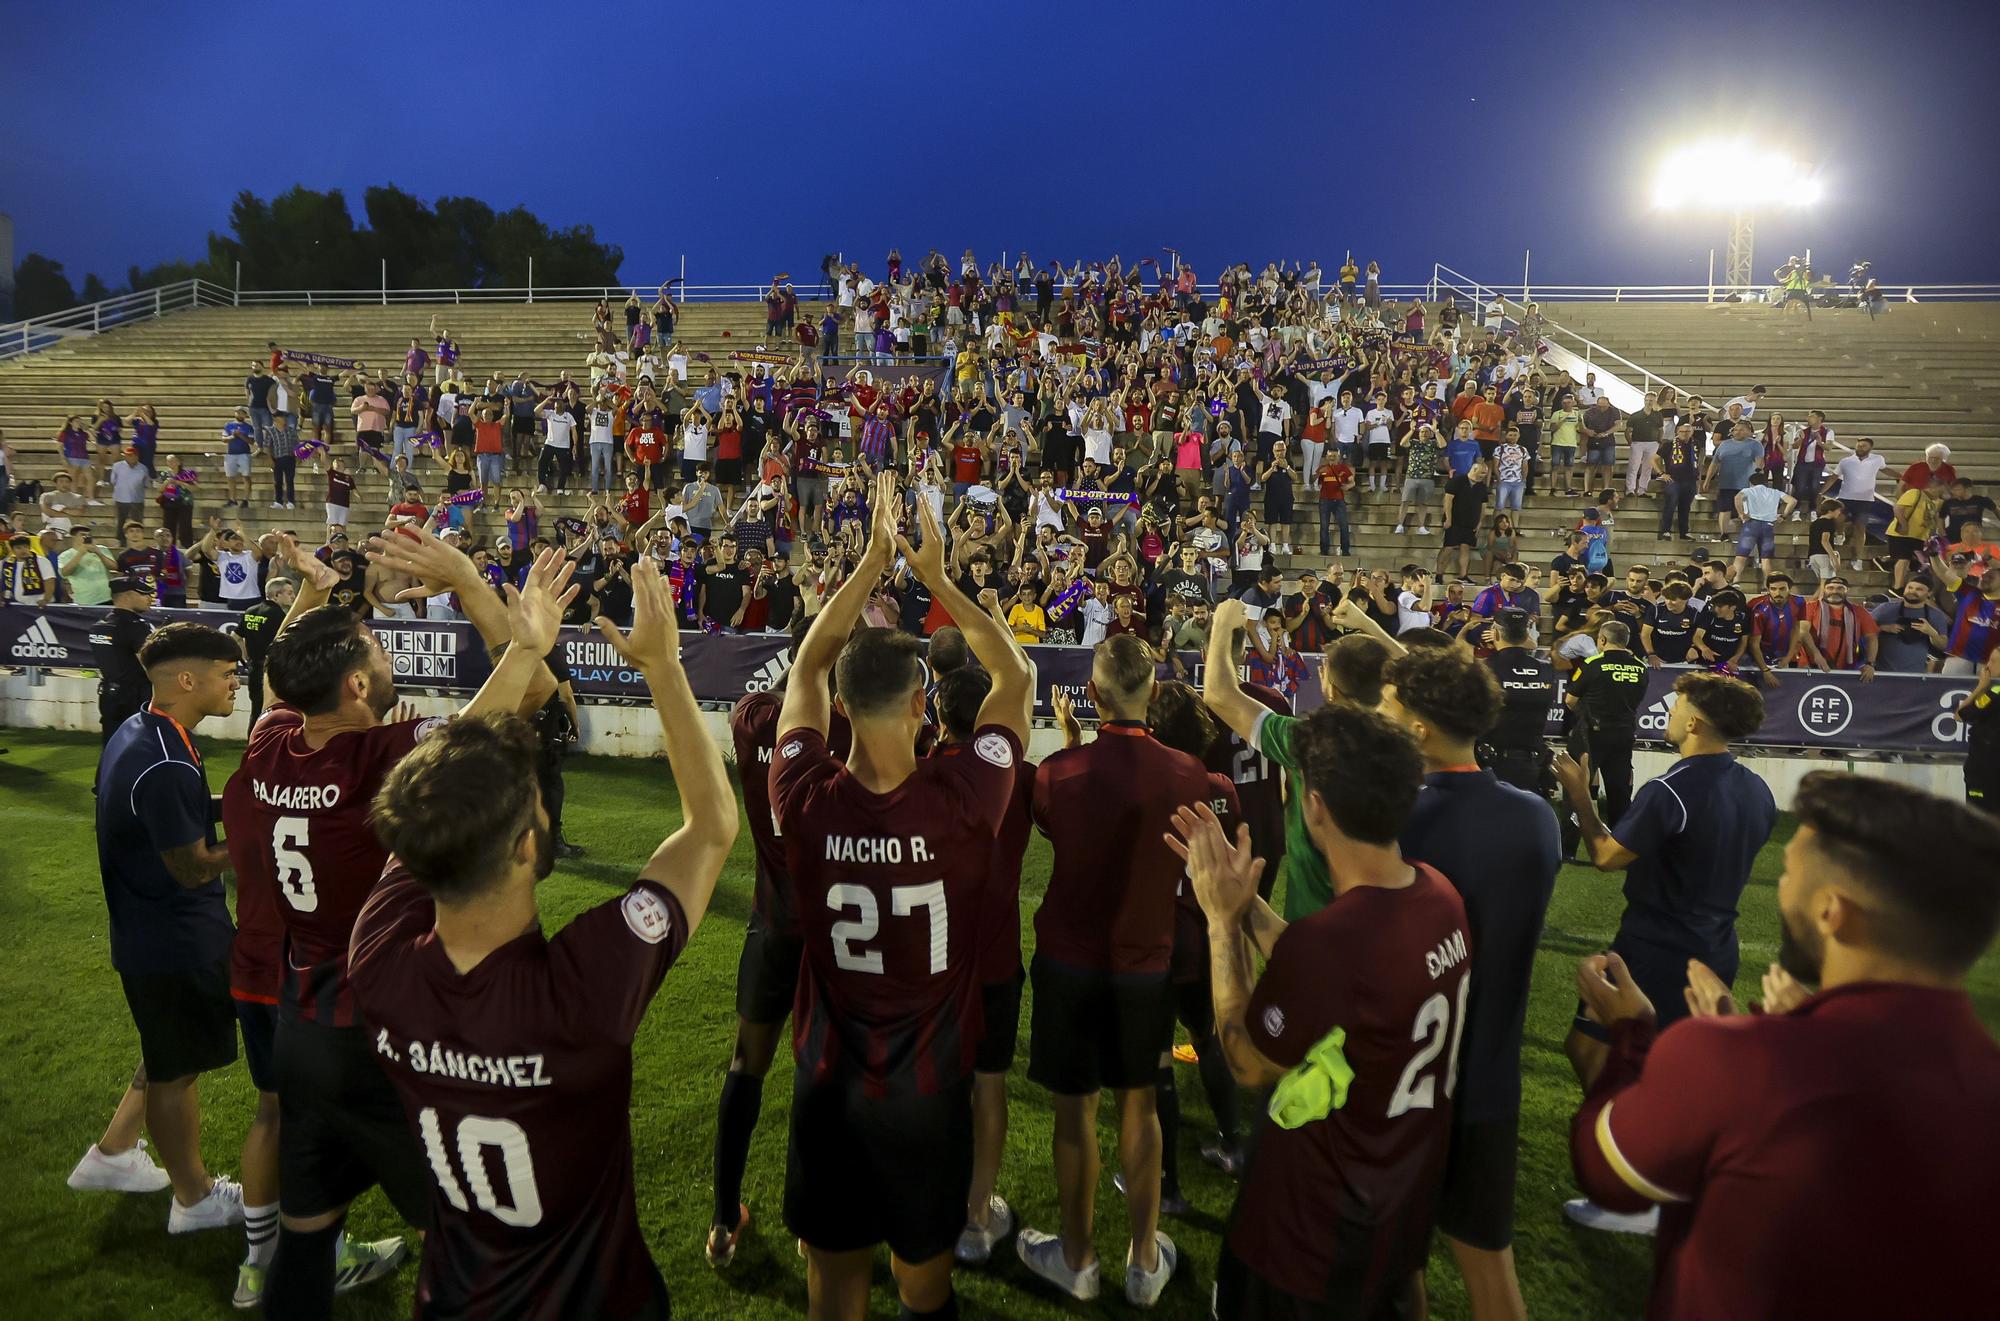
{"x": 903, "y": 901}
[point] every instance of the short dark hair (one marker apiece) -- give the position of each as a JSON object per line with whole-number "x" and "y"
{"x": 1180, "y": 719}
{"x": 1734, "y": 707}
{"x": 1366, "y": 768}
{"x": 1447, "y": 689}
{"x": 948, "y": 650}
{"x": 877, "y": 668}
{"x": 187, "y": 641}
{"x": 1424, "y": 637}
{"x": 1122, "y": 666}
{"x": 308, "y": 662}
{"x": 958, "y": 697}
{"x": 1512, "y": 625}
{"x": 454, "y": 807}
{"x": 1942, "y": 911}
{"x": 1354, "y": 664}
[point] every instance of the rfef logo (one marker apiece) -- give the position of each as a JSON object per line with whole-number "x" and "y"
{"x": 1825, "y": 710}
{"x": 39, "y": 643}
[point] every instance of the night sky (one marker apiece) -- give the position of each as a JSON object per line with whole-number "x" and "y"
{"x": 755, "y": 137}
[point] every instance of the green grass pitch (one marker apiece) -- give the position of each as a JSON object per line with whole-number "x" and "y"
{"x": 67, "y": 1047}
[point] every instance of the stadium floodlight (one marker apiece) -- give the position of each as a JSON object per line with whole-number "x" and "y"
{"x": 1741, "y": 177}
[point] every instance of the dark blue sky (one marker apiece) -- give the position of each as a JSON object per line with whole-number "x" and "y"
{"x": 754, "y": 137}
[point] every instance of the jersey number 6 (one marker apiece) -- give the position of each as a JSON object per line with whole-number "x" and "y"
{"x": 295, "y": 869}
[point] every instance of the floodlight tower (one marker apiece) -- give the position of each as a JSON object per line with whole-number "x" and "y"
{"x": 1739, "y": 263}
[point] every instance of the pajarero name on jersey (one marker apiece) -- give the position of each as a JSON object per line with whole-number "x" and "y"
{"x": 296, "y": 797}
{"x": 489, "y": 1070}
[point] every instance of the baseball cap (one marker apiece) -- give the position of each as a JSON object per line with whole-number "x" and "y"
{"x": 130, "y": 582}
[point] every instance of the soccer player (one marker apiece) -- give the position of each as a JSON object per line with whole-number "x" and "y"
{"x": 1104, "y": 939}
{"x": 1499, "y": 848}
{"x": 957, "y": 699}
{"x": 511, "y": 1050}
{"x": 297, "y": 817}
{"x": 1779, "y": 1145}
{"x": 170, "y": 925}
{"x": 889, "y": 857}
{"x": 1258, "y": 788}
{"x": 1686, "y": 846}
{"x": 1352, "y": 673}
{"x": 767, "y": 973}
{"x": 1355, "y": 1024}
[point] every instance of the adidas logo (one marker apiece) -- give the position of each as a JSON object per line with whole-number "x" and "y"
{"x": 1654, "y": 719}
{"x": 768, "y": 674}
{"x": 39, "y": 643}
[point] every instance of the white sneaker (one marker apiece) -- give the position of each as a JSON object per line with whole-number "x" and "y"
{"x": 1143, "y": 1289}
{"x": 95, "y": 504}
{"x": 1043, "y": 1254}
{"x": 128, "y": 1172}
{"x": 277, "y": 504}
{"x": 1423, "y": 530}
{"x": 1399, "y": 529}
{"x": 1583, "y": 1211}
{"x": 222, "y": 1208}
{"x": 975, "y": 1245}
{"x": 1855, "y": 565}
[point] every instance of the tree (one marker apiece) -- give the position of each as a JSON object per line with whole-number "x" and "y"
{"x": 40, "y": 287}
{"x": 94, "y": 289}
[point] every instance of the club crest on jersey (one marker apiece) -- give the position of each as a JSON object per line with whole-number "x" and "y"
{"x": 1274, "y": 1021}
{"x": 646, "y": 913}
{"x": 430, "y": 726}
{"x": 790, "y": 750}
{"x": 993, "y": 748}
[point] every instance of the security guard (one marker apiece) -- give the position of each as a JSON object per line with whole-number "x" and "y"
{"x": 122, "y": 687}
{"x": 1981, "y": 713}
{"x": 1516, "y": 749}
{"x": 258, "y": 625}
{"x": 1606, "y": 692}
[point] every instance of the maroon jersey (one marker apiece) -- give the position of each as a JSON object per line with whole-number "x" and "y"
{"x": 1190, "y": 956}
{"x": 518, "y": 1079}
{"x": 1000, "y": 933}
{"x": 1339, "y": 1198}
{"x": 753, "y": 726}
{"x": 1105, "y": 807}
{"x": 890, "y": 894}
{"x": 299, "y": 839}
{"x": 1259, "y": 786}
{"x": 1776, "y": 1145}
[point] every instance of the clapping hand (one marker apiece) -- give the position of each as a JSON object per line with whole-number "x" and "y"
{"x": 314, "y": 571}
{"x": 1224, "y": 874}
{"x": 437, "y": 565}
{"x": 1607, "y": 990}
{"x": 1065, "y": 710}
{"x": 1708, "y": 996}
{"x": 1782, "y": 991}
{"x": 535, "y": 611}
{"x": 926, "y": 560}
{"x": 654, "y": 642}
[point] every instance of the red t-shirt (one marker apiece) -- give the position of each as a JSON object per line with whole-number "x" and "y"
{"x": 635, "y": 507}
{"x": 1333, "y": 480}
{"x": 1105, "y": 807}
{"x": 1775, "y": 1144}
{"x": 645, "y": 446}
{"x": 1919, "y": 476}
{"x": 965, "y": 463}
{"x": 517, "y": 1077}
{"x": 1486, "y": 420}
{"x": 488, "y": 439}
{"x": 890, "y": 894}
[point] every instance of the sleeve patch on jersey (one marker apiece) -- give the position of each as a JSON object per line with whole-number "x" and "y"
{"x": 648, "y": 916}
{"x": 994, "y": 748}
{"x": 1274, "y": 1021}
{"x": 1624, "y": 1168}
{"x": 790, "y": 750}
{"x": 428, "y": 727}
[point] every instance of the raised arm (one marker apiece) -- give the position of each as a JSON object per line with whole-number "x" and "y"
{"x": 1010, "y": 704}
{"x": 688, "y": 861}
{"x": 1220, "y": 687}
{"x": 808, "y": 702}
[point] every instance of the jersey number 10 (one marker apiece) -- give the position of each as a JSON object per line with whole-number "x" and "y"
{"x": 475, "y": 1134}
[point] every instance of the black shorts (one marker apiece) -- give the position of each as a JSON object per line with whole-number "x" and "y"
{"x": 1460, "y": 536}
{"x": 767, "y": 973}
{"x": 1661, "y": 972}
{"x": 1001, "y": 1004}
{"x": 341, "y": 1128}
{"x": 259, "y": 1024}
{"x": 524, "y": 424}
{"x": 1476, "y": 1201}
{"x": 861, "y": 1171}
{"x": 1093, "y": 1030}
{"x": 1243, "y": 1295}
{"x": 185, "y": 1020}
{"x": 729, "y": 472}
{"x": 1903, "y": 550}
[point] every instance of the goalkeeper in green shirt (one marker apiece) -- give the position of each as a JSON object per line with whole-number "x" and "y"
{"x": 1351, "y": 672}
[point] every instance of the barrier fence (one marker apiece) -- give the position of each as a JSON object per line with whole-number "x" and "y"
{"x": 1838, "y": 713}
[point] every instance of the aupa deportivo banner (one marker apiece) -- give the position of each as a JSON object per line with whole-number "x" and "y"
{"x": 1895, "y": 713}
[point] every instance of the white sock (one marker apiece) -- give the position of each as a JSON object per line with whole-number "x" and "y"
{"x": 260, "y": 1233}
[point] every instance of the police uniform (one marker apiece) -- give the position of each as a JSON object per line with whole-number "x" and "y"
{"x": 1517, "y": 748}
{"x": 1982, "y": 748}
{"x": 1610, "y": 688}
{"x": 257, "y": 628}
{"x": 122, "y": 686}
{"x": 553, "y": 729}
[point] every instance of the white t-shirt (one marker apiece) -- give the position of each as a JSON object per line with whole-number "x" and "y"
{"x": 1378, "y": 425}
{"x": 1744, "y": 402}
{"x": 694, "y": 442}
{"x": 237, "y": 572}
{"x": 562, "y": 428}
{"x": 1346, "y": 425}
{"x": 1410, "y": 612}
{"x": 600, "y": 427}
{"x": 1096, "y": 615}
{"x": 1857, "y": 476}
{"x": 1276, "y": 413}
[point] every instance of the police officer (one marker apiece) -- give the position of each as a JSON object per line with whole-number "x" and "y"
{"x": 122, "y": 687}
{"x": 257, "y": 627}
{"x": 1981, "y": 713}
{"x": 556, "y": 729}
{"x": 1606, "y": 693}
{"x": 1516, "y": 749}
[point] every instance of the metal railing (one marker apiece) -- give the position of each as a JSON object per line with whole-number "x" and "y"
{"x": 19, "y": 337}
